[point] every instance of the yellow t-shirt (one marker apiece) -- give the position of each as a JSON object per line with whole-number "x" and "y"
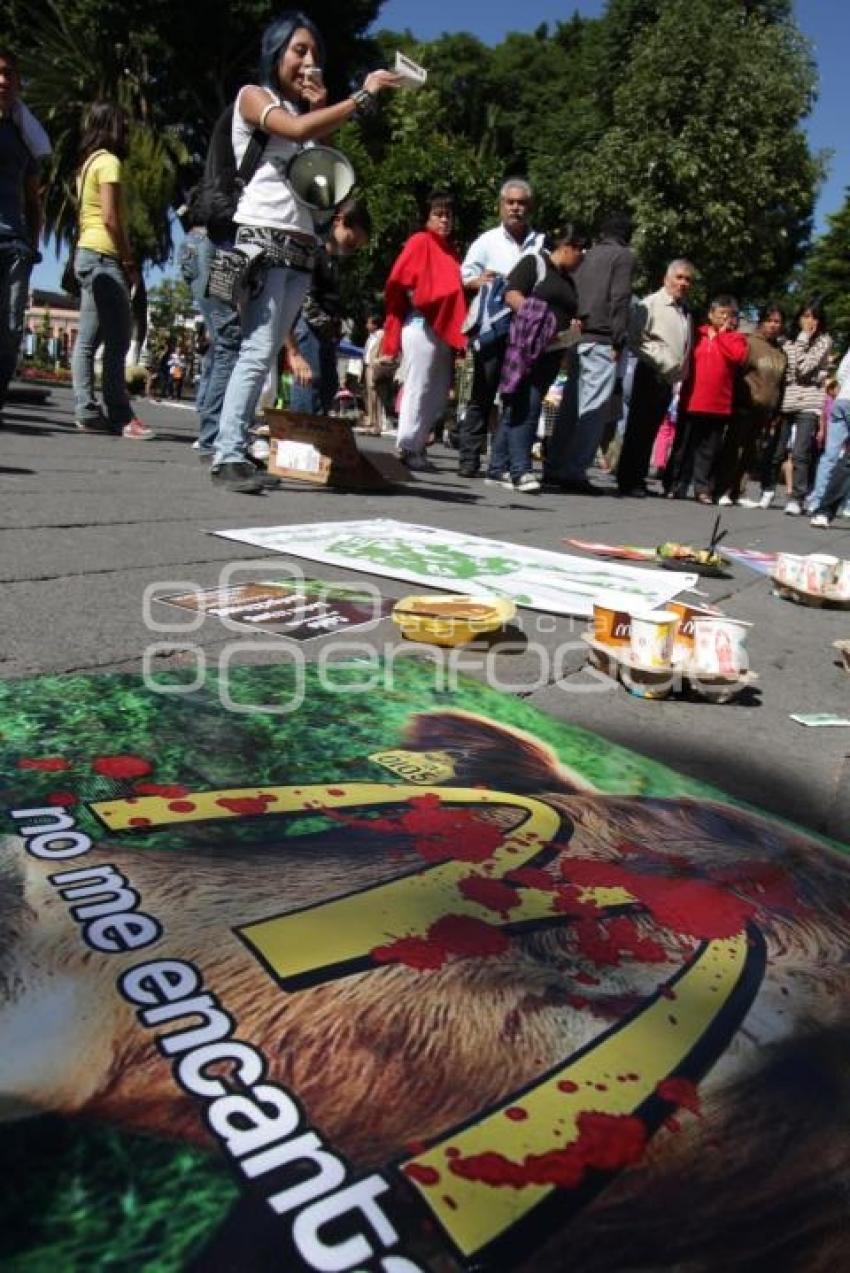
{"x": 100, "y": 170}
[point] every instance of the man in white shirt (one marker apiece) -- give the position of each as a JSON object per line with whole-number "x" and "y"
{"x": 493, "y": 253}
{"x": 661, "y": 336}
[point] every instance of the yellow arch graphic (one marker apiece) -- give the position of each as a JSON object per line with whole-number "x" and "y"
{"x": 324, "y": 941}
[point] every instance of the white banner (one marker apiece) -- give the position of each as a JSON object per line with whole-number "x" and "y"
{"x": 533, "y": 577}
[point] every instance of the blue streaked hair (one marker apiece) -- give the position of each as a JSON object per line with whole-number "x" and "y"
{"x": 276, "y": 39}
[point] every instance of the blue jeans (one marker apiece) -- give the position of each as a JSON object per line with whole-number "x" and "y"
{"x": 316, "y": 398}
{"x": 837, "y": 437}
{"x": 104, "y": 319}
{"x": 224, "y": 330}
{"x": 583, "y": 413}
{"x": 267, "y": 320}
{"x": 517, "y": 428}
{"x": 15, "y": 266}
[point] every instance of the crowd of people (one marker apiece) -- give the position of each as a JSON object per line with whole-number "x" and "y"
{"x": 706, "y": 408}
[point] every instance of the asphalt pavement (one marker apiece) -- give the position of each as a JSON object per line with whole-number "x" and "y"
{"x": 89, "y": 523}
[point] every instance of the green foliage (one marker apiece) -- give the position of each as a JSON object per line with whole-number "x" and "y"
{"x": 826, "y": 272}
{"x": 170, "y": 304}
{"x": 705, "y": 145}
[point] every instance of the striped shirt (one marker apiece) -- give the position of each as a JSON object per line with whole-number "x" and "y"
{"x": 805, "y": 380}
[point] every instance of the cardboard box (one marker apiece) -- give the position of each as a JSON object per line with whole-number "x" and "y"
{"x": 323, "y": 450}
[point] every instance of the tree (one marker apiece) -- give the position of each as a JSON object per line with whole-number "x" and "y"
{"x": 170, "y": 306}
{"x": 705, "y": 144}
{"x": 826, "y": 272}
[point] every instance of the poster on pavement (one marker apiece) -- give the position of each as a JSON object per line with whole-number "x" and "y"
{"x": 537, "y": 578}
{"x": 300, "y": 611}
{"x": 401, "y": 982}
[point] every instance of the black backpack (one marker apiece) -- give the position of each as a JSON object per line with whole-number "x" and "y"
{"x": 213, "y": 201}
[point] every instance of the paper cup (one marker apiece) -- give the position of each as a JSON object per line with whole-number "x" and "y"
{"x": 612, "y": 621}
{"x": 819, "y": 573}
{"x": 839, "y": 590}
{"x": 683, "y": 639}
{"x": 720, "y": 646}
{"x": 651, "y": 640}
{"x": 789, "y": 569}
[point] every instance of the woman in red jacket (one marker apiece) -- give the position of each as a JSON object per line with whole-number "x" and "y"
{"x": 705, "y": 403}
{"x": 426, "y": 307}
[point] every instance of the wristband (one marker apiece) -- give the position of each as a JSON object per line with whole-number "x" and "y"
{"x": 365, "y": 103}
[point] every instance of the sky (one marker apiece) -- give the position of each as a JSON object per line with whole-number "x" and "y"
{"x": 825, "y": 22}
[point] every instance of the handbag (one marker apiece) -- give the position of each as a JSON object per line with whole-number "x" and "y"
{"x": 69, "y": 282}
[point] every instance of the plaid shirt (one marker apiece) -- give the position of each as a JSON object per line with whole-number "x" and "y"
{"x": 532, "y": 331}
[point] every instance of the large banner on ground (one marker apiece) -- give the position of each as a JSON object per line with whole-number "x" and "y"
{"x": 532, "y": 577}
{"x": 403, "y": 981}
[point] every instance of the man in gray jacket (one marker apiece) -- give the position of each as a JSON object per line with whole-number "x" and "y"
{"x": 661, "y": 335}
{"x": 604, "y": 282}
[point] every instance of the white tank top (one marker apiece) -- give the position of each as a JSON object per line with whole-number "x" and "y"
{"x": 268, "y": 200}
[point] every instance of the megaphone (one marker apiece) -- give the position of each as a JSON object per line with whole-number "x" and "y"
{"x": 320, "y": 177}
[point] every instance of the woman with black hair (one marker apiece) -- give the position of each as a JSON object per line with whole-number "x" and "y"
{"x": 426, "y": 306}
{"x": 544, "y": 300}
{"x": 802, "y": 404}
{"x": 289, "y": 105}
{"x": 106, "y": 270}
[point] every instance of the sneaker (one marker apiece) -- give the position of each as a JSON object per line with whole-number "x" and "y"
{"x": 820, "y": 521}
{"x": 725, "y": 501}
{"x": 767, "y": 498}
{"x": 137, "y": 432}
{"x": 241, "y": 477}
{"x": 527, "y": 484}
{"x": 505, "y": 480}
{"x": 260, "y": 449}
{"x": 743, "y": 502}
{"x": 792, "y": 508}
{"x": 418, "y": 462}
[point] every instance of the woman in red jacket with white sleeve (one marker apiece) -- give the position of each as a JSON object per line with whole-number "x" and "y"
{"x": 426, "y": 307}
{"x": 705, "y": 403}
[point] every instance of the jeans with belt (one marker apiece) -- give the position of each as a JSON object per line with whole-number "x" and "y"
{"x": 104, "y": 319}
{"x": 837, "y": 437}
{"x": 267, "y": 320}
{"x": 16, "y": 260}
{"x": 223, "y": 328}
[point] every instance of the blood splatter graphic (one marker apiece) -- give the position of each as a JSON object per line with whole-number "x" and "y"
{"x": 139, "y": 822}
{"x": 46, "y": 764}
{"x": 567, "y": 1085}
{"x": 533, "y": 877}
{"x": 606, "y": 1142}
{"x": 336, "y": 791}
{"x": 421, "y": 1174}
{"x": 450, "y": 1202}
{"x": 62, "y": 798}
{"x": 437, "y": 833}
{"x": 680, "y": 1092}
{"x": 461, "y": 936}
{"x": 516, "y": 1114}
{"x": 182, "y": 806}
{"x": 606, "y": 941}
{"x": 247, "y": 806}
{"x": 687, "y": 906}
{"x": 492, "y": 894}
{"x": 121, "y": 766}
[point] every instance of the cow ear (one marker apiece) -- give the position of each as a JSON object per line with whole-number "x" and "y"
{"x": 485, "y": 753}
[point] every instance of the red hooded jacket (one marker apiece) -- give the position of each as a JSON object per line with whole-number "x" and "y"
{"x": 710, "y": 382}
{"x": 425, "y": 277}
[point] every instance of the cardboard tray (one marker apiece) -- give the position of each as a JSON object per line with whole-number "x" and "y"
{"x": 789, "y": 592}
{"x": 660, "y": 683}
{"x": 323, "y": 451}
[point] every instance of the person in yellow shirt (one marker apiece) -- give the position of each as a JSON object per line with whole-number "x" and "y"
{"x": 106, "y": 271}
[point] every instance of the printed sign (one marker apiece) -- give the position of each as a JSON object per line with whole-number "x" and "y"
{"x": 300, "y": 611}
{"x": 533, "y": 577}
{"x": 395, "y": 984}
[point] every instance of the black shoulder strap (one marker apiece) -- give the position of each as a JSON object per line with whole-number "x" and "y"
{"x": 251, "y": 159}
